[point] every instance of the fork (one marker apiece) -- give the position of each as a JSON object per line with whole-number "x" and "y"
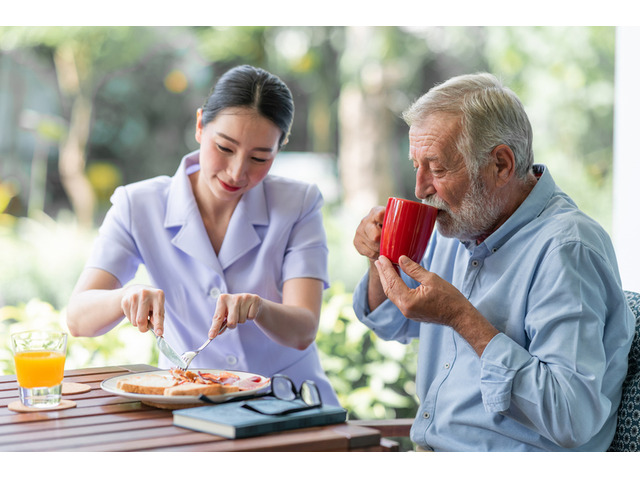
{"x": 187, "y": 357}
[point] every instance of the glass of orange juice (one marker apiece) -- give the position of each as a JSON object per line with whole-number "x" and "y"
{"x": 39, "y": 357}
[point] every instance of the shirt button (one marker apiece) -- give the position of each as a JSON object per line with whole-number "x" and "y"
{"x": 426, "y": 415}
{"x": 231, "y": 360}
{"x": 214, "y": 292}
{"x": 475, "y": 263}
{"x": 447, "y": 365}
{"x": 494, "y": 250}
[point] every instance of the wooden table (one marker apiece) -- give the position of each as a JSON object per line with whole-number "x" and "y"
{"x": 105, "y": 422}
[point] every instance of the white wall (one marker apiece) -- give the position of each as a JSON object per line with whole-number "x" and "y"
{"x": 626, "y": 161}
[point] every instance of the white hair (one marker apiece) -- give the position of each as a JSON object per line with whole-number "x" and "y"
{"x": 490, "y": 115}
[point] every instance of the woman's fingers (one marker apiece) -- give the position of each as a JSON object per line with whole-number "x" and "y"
{"x": 144, "y": 307}
{"x": 233, "y": 310}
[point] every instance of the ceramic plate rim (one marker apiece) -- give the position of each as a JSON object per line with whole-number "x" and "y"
{"x": 109, "y": 385}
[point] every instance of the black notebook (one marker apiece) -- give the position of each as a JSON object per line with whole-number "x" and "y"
{"x": 233, "y": 420}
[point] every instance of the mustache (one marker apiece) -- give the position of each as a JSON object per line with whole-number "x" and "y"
{"x": 436, "y": 202}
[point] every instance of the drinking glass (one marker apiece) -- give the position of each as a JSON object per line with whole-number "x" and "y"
{"x": 39, "y": 358}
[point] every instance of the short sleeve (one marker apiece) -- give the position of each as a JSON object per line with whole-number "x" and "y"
{"x": 307, "y": 254}
{"x": 114, "y": 250}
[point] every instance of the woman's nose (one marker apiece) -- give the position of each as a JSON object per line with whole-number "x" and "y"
{"x": 237, "y": 169}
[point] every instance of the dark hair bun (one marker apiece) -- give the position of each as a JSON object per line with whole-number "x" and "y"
{"x": 247, "y": 86}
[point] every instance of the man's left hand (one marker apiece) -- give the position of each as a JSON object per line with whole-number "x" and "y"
{"x": 434, "y": 300}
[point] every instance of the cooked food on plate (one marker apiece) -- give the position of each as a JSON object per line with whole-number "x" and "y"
{"x": 189, "y": 383}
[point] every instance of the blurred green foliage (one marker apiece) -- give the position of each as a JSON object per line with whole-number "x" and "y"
{"x": 373, "y": 378}
{"x": 145, "y": 84}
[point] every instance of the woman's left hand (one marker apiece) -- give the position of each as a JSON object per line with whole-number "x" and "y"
{"x": 236, "y": 309}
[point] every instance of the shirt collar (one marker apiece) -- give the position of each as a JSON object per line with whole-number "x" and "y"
{"x": 532, "y": 207}
{"x": 182, "y": 212}
{"x": 241, "y": 234}
{"x": 181, "y": 203}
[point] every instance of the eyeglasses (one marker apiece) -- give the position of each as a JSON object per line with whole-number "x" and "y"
{"x": 282, "y": 388}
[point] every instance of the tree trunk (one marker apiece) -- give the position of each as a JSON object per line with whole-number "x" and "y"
{"x": 71, "y": 162}
{"x": 366, "y": 127}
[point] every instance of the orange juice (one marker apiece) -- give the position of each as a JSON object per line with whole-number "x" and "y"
{"x": 39, "y": 368}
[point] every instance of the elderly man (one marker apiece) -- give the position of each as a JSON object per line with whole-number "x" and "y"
{"x": 523, "y": 325}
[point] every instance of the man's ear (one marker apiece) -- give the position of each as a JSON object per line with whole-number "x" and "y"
{"x": 504, "y": 162}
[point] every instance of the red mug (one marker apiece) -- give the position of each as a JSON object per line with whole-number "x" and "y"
{"x": 406, "y": 229}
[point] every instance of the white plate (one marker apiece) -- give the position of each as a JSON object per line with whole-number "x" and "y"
{"x": 110, "y": 385}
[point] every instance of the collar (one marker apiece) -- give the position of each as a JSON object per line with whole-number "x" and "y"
{"x": 528, "y": 210}
{"x": 183, "y": 216}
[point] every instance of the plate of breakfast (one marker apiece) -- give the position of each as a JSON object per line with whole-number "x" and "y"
{"x": 177, "y": 389}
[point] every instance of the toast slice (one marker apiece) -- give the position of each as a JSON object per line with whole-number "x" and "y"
{"x": 150, "y": 384}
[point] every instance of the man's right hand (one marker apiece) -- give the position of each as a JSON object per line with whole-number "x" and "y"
{"x": 367, "y": 243}
{"x": 367, "y": 238}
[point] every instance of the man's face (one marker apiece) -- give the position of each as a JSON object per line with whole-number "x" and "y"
{"x": 468, "y": 208}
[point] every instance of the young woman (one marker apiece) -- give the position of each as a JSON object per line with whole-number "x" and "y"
{"x": 222, "y": 241}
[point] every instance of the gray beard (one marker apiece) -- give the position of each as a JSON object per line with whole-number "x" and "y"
{"x": 479, "y": 213}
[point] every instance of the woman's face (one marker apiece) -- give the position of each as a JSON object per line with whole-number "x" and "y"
{"x": 237, "y": 149}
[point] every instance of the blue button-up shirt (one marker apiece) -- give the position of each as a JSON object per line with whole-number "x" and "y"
{"x": 275, "y": 234}
{"x": 548, "y": 280}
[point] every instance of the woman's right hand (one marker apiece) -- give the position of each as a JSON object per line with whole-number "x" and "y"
{"x": 144, "y": 307}
{"x": 367, "y": 237}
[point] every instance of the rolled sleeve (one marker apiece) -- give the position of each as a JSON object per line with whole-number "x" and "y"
{"x": 501, "y": 361}
{"x": 385, "y": 321}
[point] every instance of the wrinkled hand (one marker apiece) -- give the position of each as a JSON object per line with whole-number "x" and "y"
{"x": 144, "y": 307}
{"x": 236, "y": 309}
{"x": 434, "y": 300}
{"x": 367, "y": 237}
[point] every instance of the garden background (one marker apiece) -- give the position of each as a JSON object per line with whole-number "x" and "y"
{"x": 85, "y": 109}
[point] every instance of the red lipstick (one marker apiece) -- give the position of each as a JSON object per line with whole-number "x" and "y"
{"x": 228, "y": 187}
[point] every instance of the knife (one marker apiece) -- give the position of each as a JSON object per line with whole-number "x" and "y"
{"x": 169, "y": 352}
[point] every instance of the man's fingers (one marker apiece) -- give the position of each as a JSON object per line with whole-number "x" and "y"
{"x": 413, "y": 269}
{"x": 367, "y": 238}
{"x": 392, "y": 283}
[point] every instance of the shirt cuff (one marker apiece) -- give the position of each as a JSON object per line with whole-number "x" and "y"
{"x": 360, "y": 302}
{"x": 385, "y": 321}
{"x": 500, "y": 362}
